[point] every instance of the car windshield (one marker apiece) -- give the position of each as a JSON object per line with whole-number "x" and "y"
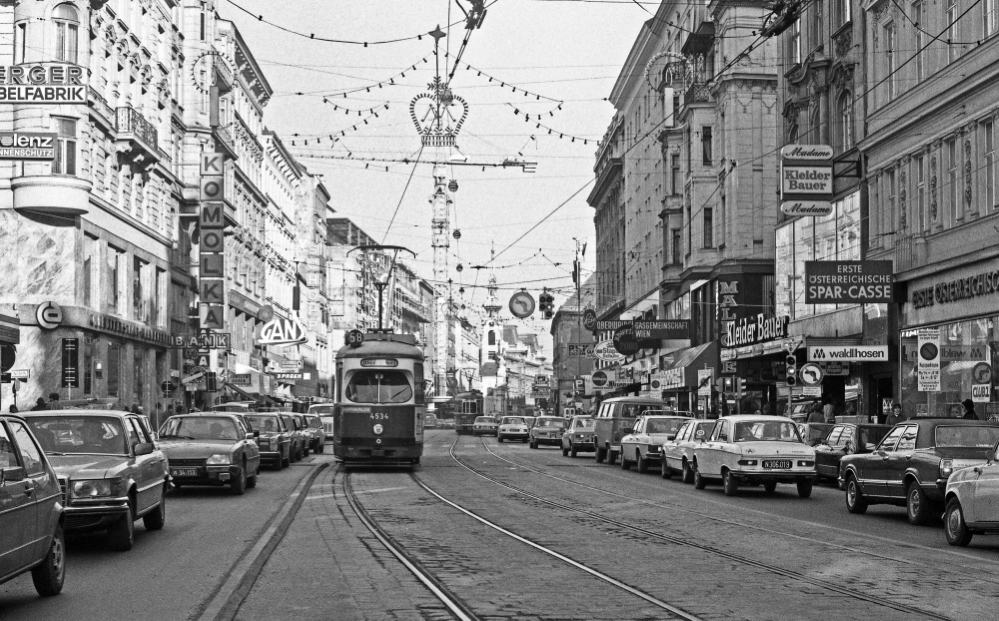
{"x": 966, "y": 436}
{"x": 770, "y": 431}
{"x": 265, "y": 423}
{"x": 321, "y": 410}
{"x": 870, "y": 436}
{"x": 663, "y": 425}
{"x": 314, "y": 422}
{"x": 633, "y": 410}
{"x": 381, "y": 386}
{"x": 200, "y": 428}
{"x": 550, "y": 422}
{"x": 79, "y": 434}
{"x": 485, "y": 419}
{"x": 513, "y": 420}
{"x": 584, "y": 423}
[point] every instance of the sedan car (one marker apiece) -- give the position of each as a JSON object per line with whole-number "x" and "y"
{"x": 814, "y": 433}
{"x": 314, "y": 425}
{"x": 755, "y": 449}
{"x": 31, "y": 510}
{"x": 579, "y": 436}
{"x": 643, "y": 446}
{"x": 842, "y": 440}
{"x": 912, "y": 463}
{"x": 299, "y": 438}
{"x": 547, "y": 430}
{"x": 971, "y": 496}
{"x": 325, "y": 412}
{"x": 512, "y": 428}
{"x": 111, "y": 472}
{"x": 678, "y": 453}
{"x": 485, "y": 426}
{"x": 210, "y": 449}
{"x": 274, "y": 440}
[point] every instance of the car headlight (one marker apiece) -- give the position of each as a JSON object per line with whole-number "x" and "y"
{"x": 92, "y": 488}
{"x": 219, "y": 460}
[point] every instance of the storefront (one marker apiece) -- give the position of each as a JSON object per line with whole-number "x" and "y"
{"x": 949, "y": 342}
{"x": 679, "y": 378}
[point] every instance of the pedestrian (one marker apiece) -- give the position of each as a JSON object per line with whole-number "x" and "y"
{"x": 39, "y": 405}
{"x": 53, "y": 396}
{"x": 815, "y": 416}
{"x": 969, "y": 410}
{"x": 135, "y": 408}
{"x": 13, "y": 409}
{"x": 851, "y": 409}
{"x": 766, "y": 409}
{"x": 829, "y": 412}
{"x": 896, "y": 415}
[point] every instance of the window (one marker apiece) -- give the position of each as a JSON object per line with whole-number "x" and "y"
{"x": 890, "y": 198}
{"x": 114, "y": 368}
{"x": 709, "y": 225}
{"x": 891, "y": 45}
{"x": 203, "y": 24}
{"x": 795, "y": 42}
{"x": 920, "y": 175}
{"x": 65, "y": 152}
{"x": 160, "y": 299}
{"x": 674, "y": 174}
{"x": 31, "y": 455}
{"x": 846, "y": 120}
{"x": 845, "y": 11}
{"x": 706, "y": 145}
{"x": 721, "y": 432}
{"x": 492, "y": 337}
{"x": 138, "y": 373}
{"x": 917, "y": 18}
{"x": 89, "y": 266}
{"x": 110, "y": 281}
{"x": 88, "y": 365}
{"x": 990, "y": 25}
{"x": 139, "y": 289}
{"x": 8, "y": 455}
{"x": 381, "y": 386}
{"x": 21, "y": 43}
{"x": 675, "y": 245}
{"x": 988, "y": 139}
{"x": 953, "y": 50}
{"x": 953, "y": 190}
{"x": 67, "y": 25}
{"x": 890, "y": 440}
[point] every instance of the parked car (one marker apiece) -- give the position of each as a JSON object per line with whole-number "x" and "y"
{"x": 213, "y": 449}
{"x": 547, "y": 430}
{"x": 31, "y": 510}
{"x": 529, "y": 421}
{"x": 971, "y": 496}
{"x": 512, "y": 428}
{"x": 814, "y": 433}
{"x": 755, "y": 449}
{"x": 643, "y": 446}
{"x": 325, "y": 412}
{"x": 429, "y": 421}
{"x": 614, "y": 420}
{"x": 912, "y": 463}
{"x": 579, "y": 436}
{"x": 678, "y": 453}
{"x": 314, "y": 425}
{"x": 485, "y": 426}
{"x": 109, "y": 468}
{"x": 274, "y": 440}
{"x": 299, "y": 441}
{"x": 845, "y": 439}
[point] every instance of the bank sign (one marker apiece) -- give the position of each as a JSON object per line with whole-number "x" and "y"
{"x": 806, "y": 180}
{"x": 848, "y": 282}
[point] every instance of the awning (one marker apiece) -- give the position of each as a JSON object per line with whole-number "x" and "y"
{"x": 236, "y": 389}
{"x": 681, "y": 374}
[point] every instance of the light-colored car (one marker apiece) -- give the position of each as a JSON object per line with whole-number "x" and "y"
{"x": 755, "y": 449}
{"x": 643, "y": 446}
{"x": 547, "y": 430}
{"x": 210, "y": 449}
{"x": 325, "y": 412}
{"x": 512, "y": 428}
{"x": 972, "y": 497}
{"x": 31, "y": 510}
{"x": 430, "y": 420}
{"x": 110, "y": 469}
{"x": 299, "y": 438}
{"x": 485, "y": 426}
{"x": 614, "y": 419}
{"x": 314, "y": 426}
{"x": 678, "y": 453}
{"x": 579, "y": 436}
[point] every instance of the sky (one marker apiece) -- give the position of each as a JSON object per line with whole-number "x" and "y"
{"x": 568, "y": 52}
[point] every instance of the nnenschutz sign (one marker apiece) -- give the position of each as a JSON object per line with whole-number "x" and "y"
{"x": 54, "y": 83}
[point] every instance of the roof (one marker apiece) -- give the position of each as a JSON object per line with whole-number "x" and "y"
{"x": 654, "y": 400}
{"x": 762, "y": 418}
{"x": 77, "y": 413}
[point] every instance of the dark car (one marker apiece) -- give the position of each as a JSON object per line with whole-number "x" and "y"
{"x": 911, "y": 465}
{"x": 274, "y": 440}
{"x": 299, "y": 437}
{"x": 31, "y": 511}
{"x": 842, "y": 440}
{"x": 615, "y": 419}
{"x": 210, "y": 449}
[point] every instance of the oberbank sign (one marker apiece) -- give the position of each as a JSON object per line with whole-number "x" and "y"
{"x": 848, "y": 353}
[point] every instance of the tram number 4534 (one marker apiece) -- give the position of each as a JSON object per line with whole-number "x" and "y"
{"x": 379, "y": 416}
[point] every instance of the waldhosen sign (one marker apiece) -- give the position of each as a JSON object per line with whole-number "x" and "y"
{"x": 806, "y": 180}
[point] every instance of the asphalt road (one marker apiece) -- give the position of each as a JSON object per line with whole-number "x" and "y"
{"x": 168, "y": 575}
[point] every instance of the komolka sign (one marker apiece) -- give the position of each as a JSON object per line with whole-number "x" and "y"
{"x": 281, "y": 331}
{"x": 42, "y": 84}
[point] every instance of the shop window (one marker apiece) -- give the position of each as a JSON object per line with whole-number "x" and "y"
{"x": 113, "y": 371}
{"x": 88, "y": 365}
{"x": 67, "y": 27}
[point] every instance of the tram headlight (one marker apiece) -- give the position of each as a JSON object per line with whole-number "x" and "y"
{"x": 378, "y": 429}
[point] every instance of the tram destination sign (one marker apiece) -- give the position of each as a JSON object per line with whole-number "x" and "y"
{"x": 848, "y": 282}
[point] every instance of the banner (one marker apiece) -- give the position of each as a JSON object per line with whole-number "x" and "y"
{"x": 928, "y": 365}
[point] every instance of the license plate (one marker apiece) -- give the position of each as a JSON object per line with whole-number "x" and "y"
{"x": 184, "y": 472}
{"x": 378, "y": 452}
{"x": 777, "y": 464}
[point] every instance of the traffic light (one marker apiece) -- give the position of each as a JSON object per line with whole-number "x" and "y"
{"x": 211, "y": 381}
{"x": 546, "y": 304}
{"x": 791, "y": 370}
{"x": 742, "y": 385}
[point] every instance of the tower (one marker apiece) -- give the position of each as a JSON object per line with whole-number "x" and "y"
{"x": 440, "y": 224}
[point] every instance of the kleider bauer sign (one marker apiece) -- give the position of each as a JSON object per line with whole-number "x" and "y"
{"x": 848, "y": 282}
{"x": 44, "y": 84}
{"x": 27, "y": 145}
{"x": 806, "y": 180}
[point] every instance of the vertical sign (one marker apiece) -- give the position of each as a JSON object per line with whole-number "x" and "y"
{"x": 704, "y": 379}
{"x": 928, "y": 370}
{"x": 71, "y": 363}
{"x": 211, "y": 224}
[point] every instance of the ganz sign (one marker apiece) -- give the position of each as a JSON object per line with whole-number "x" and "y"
{"x": 281, "y": 331}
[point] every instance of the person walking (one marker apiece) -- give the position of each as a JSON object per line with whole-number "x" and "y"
{"x": 896, "y": 415}
{"x": 829, "y": 412}
{"x": 969, "y": 410}
{"x": 39, "y": 405}
{"x": 815, "y": 416}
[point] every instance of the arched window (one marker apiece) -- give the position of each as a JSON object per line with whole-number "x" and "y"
{"x": 792, "y": 134}
{"x": 492, "y": 337}
{"x": 846, "y": 120}
{"x": 67, "y": 25}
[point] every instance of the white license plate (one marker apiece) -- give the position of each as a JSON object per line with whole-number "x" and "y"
{"x": 184, "y": 472}
{"x": 777, "y": 464}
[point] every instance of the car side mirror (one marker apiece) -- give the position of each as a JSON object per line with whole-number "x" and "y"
{"x": 249, "y": 435}
{"x": 143, "y": 448}
{"x": 12, "y": 474}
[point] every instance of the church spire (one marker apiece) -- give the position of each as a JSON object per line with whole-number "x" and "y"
{"x": 492, "y": 304}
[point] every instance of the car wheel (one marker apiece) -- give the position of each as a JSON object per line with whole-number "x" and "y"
{"x": 804, "y": 489}
{"x": 770, "y": 487}
{"x": 601, "y": 455}
{"x": 955, "y": 527}
{"x": 699, "y": 481}
{"x": 572, "y": 450}
{"x": 238, "y": 484}
{"x": 499, "y": 439}
{"x": 686, "y": 472}
{"x": 642, "y": 464}
{"x": 730, "y": 484}
{"x": 285, "y": 461}
{"x": 611, "y": 457}
{"x": 533, "y": 444}
{"x": 50, "y": 575}
{"x": 305, "y": 450}
{"x": 625, "y": 464}
{"x": 155, "y": 519}
{"x": 664, "y": 470}
{"x": 917, "y": 505}
{"x": 121, "y": 535}
{"x": 321, "y": 448}
{"x": 855, "y": 501}
{"x": 251, "y": 481}
{"x": 565, "y": 452}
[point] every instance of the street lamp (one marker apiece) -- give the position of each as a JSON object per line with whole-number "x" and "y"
{"x": 382, "y": 273}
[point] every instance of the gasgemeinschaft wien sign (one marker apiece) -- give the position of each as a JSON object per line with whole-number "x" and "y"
{"x": 848, "y": 282}
{"x": 42, "y": 84}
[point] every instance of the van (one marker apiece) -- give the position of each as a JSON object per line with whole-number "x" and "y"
{"x": 614, "y": 419}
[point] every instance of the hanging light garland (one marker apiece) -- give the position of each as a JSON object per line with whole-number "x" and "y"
{"x": 343, "y": 132}
{"x": 503, "y": 84}
{"x": 391, "y": 81}
{"x": 552, "y": 131}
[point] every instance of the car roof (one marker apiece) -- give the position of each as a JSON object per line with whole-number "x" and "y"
{"x": 207, "y": 415}
{"x": 762, "y": 418}
{"x": 77, "y": 413}
{"x": 642, "y": 400}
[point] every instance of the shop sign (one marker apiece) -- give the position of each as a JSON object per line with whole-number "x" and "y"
{"x": 71, "y": 363}
{"x": 753, "y": 330}
{"x": 240, "y": 379}
{"x": 837, "y": 369}
{"x": 928, "y": 363}
{"x": 113, "y": 325}
{"x": 27, "y": 145}
{"x": 981, "y": 393}
{"x": 604, "y": 350}
{"x": 659, "y": 329}
{"x": 848, "y": 353}
{"x": 608, "y": 325}
{"x": 956, "y": 290}
{"x": 582, "y": 350}
{"x": 848, "y": 282}
{"x": 727, "y": 354}
{"x": 625, "y": 341}
{"x": 806, "y": 179}
{"x": 281, "y": 331}
{"x": 728, "y": 367}
{"x": 603, "y": 379}
{"x": 806, "y": 208}
{"x": 42, "y": 84}
{"x": 704, "y": 378}
{"x": 292, "y": 376}
{"x": 206, "y": 340}
{"x": 256, "y": 362}
{"x": 673, "y": 378}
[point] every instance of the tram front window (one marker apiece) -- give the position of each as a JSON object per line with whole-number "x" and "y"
{"x": 379, "y": 387}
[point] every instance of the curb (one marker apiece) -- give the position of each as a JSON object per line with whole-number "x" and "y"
{"x": 229, "y": 597}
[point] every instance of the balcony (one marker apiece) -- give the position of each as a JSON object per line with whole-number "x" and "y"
{"x": 137, "y": 138}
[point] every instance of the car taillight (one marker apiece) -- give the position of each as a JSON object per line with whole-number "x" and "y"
{"x": 806, "y": 463}
{"x": 946, "y": 468}
{"x": 747, "y": 462}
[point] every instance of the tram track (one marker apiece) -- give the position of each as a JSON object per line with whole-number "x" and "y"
{"x": 729, "y": 556}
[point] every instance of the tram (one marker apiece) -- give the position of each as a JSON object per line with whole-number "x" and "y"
{"x": 466, "y": 407}
{"x": 379, "y": 407}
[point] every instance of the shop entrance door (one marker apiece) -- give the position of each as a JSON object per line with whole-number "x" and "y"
{"x": 882, "y": 389}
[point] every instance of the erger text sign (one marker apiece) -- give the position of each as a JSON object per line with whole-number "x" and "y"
{"x": 848, "y": 282}
{"x": 27, "y": 146}
{"x": 49, "y": 84}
